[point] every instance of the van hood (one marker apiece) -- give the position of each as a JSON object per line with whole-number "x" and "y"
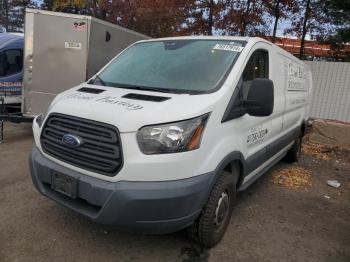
{"x": 128, "y": 109}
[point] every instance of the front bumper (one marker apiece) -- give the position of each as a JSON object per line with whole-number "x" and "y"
{"x": 145, "y": 207}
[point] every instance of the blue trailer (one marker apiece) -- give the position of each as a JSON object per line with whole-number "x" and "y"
{"x": 11, "y": 78}
{"x": 11, "y": 68}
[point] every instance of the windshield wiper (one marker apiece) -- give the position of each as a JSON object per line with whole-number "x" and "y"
{"x": 174, "y": 91}
{"x": 149, "y": 88}
{"x": 162, "y": 90}
{"x": 146, "y": 88}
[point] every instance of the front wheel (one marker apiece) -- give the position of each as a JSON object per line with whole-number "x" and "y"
{"x": 212, "y": 223}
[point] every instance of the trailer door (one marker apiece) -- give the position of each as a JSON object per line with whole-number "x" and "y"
{"x": 55, "y": 57}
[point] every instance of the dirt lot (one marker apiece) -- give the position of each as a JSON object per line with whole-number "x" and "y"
{"x": 274, "y": 220}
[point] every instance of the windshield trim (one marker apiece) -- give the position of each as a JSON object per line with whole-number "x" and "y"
{"x": 215, "y": 88}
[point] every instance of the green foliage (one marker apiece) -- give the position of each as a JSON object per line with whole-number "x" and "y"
{"x": 338, "y": 11}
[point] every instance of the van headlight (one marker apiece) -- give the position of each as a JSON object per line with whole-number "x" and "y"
{"x": 172, "y": 137}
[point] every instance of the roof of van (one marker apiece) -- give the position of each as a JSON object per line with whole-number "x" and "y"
{"x": 233, "y": 38}
{"x": 250, "y": 40}
{"x": 7, "y": 38}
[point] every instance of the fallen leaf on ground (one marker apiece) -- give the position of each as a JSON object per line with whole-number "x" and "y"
{"x": 319, "y": 151}
{"x": 292, "y": 177}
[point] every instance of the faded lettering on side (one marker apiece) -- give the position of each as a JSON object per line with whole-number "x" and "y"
{"x": 106, "y": 99}
{"x": 117, "y": 101}
{"x": 256, "y": 135}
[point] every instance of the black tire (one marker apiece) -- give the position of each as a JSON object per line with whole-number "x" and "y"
{"x": 216, "y": 214}
{"x": 294, "y": 152}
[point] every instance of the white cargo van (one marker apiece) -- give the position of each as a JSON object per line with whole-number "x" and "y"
{"x": 166, "y": 134}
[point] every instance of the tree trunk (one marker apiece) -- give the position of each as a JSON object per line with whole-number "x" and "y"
{"x": 210, "y": 17}
{"x": 245, "y": 19}
{"x": 103, "y": 14}
{"x": 306, "y": 17}
{"x": 93, "y": 8}
{"x": 275, "y": 29}
{"x": 6, "y": 7}
{"x": 277, "y": 16}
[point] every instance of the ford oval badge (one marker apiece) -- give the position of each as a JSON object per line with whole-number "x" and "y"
{"x": 71, "y": 140}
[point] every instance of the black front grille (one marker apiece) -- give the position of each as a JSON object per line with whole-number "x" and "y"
{"x": 100, "y": 148}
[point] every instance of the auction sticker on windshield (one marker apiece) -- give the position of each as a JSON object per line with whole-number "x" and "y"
{"x": 228, "y": 47}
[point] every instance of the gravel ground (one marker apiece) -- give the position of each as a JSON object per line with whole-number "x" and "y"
{"x": 270, "y": 222}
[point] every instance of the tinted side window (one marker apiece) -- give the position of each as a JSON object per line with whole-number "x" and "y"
{"x": 11, "y": 62}
{"x": 257, "y": 67}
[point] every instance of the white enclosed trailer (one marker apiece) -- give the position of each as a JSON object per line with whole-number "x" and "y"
{"x": 63, "y": 50}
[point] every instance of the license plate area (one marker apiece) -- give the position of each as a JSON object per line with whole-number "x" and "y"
{"x": 64, "y": 184}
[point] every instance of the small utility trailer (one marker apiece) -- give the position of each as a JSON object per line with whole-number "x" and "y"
{"x": 60, "y": 51}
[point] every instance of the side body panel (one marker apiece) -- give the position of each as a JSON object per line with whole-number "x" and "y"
{"x": 251, "y": 134}
{"x": 291, "y": 99}
{"x": 297, "y": 89}
{"x": 247, "y": 135}
{"x": 262, "y": 141}
{"x": 277, "y": 73}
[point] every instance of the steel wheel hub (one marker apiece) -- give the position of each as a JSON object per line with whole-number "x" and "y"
{"x": 221, "y": 209}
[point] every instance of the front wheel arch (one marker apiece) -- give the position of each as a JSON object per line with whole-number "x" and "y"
{"x": 227, "y": 164}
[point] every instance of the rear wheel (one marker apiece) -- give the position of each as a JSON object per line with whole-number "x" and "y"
{"x": 212, "y": 223}
{"x": 295, "y": 151}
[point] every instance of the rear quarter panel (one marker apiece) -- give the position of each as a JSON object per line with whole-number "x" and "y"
{"x": 297, "y": 89}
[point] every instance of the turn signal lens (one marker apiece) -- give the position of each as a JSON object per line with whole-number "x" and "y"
{"x": 196, "y": 138}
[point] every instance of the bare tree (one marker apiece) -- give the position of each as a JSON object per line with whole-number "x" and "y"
{"x": 311, "y": 21}
{"x": 244, "y": 17}
{"x": 280, "y": 9}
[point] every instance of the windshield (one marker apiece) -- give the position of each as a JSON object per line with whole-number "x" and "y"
{"x": 179, "y": 66}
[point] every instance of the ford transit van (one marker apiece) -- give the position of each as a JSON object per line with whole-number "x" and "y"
{"x": 11, "y": 67}
{"x": 166, "y": 134}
